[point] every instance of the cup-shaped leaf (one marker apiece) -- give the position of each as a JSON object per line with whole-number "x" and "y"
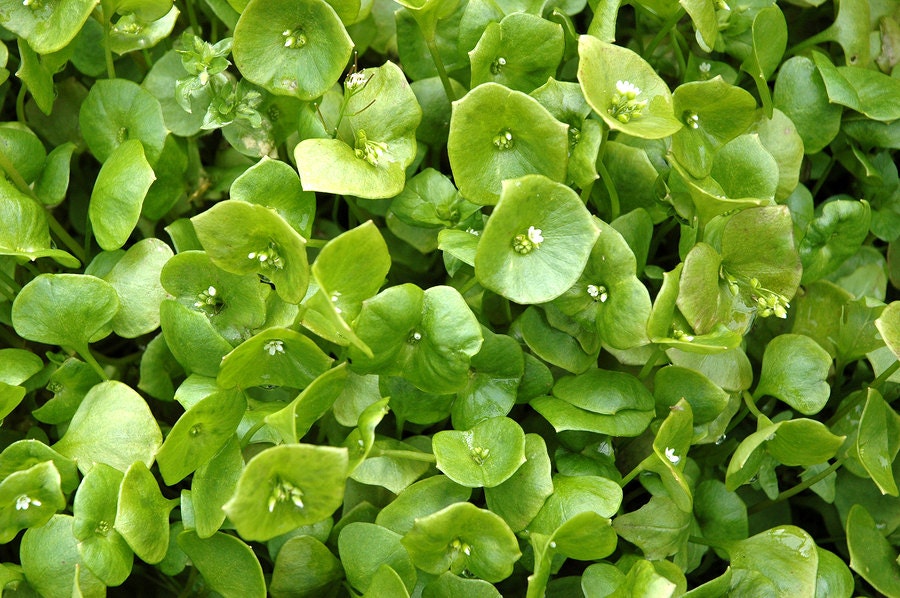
{"x": 193, "y": 341}
{"x": 484, "y": 456}
{"x": 521, "y": 52}
{"x": 784, "y": 556}
{"x": 213, "y": 484}
{"x": 463, "y": 537}
{"x": 70, "y": 310}
{"x": 29, "y": 497}
{"x": 24, "y": 454}
{"x": 491, "y": 390}
{"x": 142, "y": 514}
{"x": 800, "y": 93}
{"x": 296, "y": 48}
{"x": 670, "y": 448}
{"x": 244, "y": 238}
{"x": 295, "y": 420}
{"x": 427, "y": 337}
{"x": 376, "y": 139}
{"x": 48, "y": 26}
{"x": 304, "y": 566}
{"x": 119, "y": 110}
{"x": 714, "y": 113}
{"x": 274, "y": 184}
{"x": 707, "y": 400}
{"x": 795, "y": 369}
{"x": 536, "y": 242}
{"x": 768, "y": 42}
{"x": 228, "y": 566}
{"x": 366, "y": 547}
{"x": 103, "y": 549}
{"x": 24, "y": 228}
{"x": 888, "y": 324}
{"x": 285, "y": 487}
{"x": 496, "y": 134}
{"x": 624, "y": 90}
{"x": 573, "y": 495}
{"x": 659, "y": 528}
{"x": 274, "y": 357}
{"x": 420, "y": 499}
{"x": 522, "y": 495}
{"x": 199, "y": 434}
{"x": 837, "y": 232}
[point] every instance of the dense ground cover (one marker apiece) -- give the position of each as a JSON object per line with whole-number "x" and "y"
{"x": 449, "y": 298}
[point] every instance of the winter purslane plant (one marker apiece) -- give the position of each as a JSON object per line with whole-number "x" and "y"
{"x": 449, "y": 297}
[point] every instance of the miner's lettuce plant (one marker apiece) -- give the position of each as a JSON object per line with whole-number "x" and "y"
{"x": 449, "y": 298}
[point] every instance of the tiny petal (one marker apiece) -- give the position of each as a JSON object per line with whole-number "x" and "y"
{"x": 671, "y": 456}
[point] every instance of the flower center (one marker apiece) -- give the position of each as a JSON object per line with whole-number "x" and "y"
{"x": 294, "y": 38}
{"x": 370, "y": 151}
{"x": 498, "y": 65}
{"x": 624, "y": 105}
{"x": 268, "y": 258}
{"x": 274, "y": 346}
{"x": 282, "y": 492}
{"x": 504, "y": 140}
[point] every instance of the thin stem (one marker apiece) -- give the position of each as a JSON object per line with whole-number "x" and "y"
{"x": 851, "y": 404}
{"x": 825, "y": 173}
{"x": 883, "y": 376}
{"x": 439, "y": 65}
{"x": 10, "y": 282}
{"x": 192, "y": 17}
{"x": 20, "y": 104}
{"x": 107, "y": 50}
{"x": 751, "y": 405}
{"x": 409, "y": 455}
{"x": 316, "y": 243}
{"x": 663, "y": 32}
{"x": 632, "y": 474}
{"x": 252, "y": 432}
{"x": 91, "y": 361}
{"x": 651, "y": 363}
{"x": 614, "y": 206}
{"x": 798, "y": 488}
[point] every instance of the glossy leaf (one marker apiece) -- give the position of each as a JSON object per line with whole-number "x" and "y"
{"x": 136, "y": 279}
{"x": 51, "y": 561}
{"x": 47, "y": 30}
{"x": 794, "y": 370}
{"x": 484, "y": 456}
{"x": 871, "y": 555}
{"x": 274, "y": 357}
{"x": 878, "y": 441}
{"x": 228, "y": 565}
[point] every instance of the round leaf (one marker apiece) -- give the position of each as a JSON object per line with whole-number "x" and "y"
{"x": 497, "y": 133}
{"x": 65, "y": 309}
{"x": 274, "y": 357}
{"x": 485, "y": 456}
{"x": 291, "y": 47}
{"x": 29, "y": 498}
{"x": 51, "y": 561}
{"x": 48, "y": 26}
{"x": 113, "y": 425}
{"x": 795, "y": 369}
{"x": 135, "y": 278}
{"x": 275, "y": 184}
{"x": 24, "y": 228}
{"x": 609, "y": 75}
{"x": 871, "y": 555}
{"x": 536, "y": 242}
{"x": 521, "y": 496}
{"x": 228, "y": 566}
{"x": 285, "y": 487}
{"x": 463, "y": 537}
{"x": 142, "y": 514}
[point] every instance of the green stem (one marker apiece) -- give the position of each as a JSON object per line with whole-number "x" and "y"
{"x": 751, "y": 405}
{"x": 651, "y": 363}
{"x": 797, "y": 489}
{"x": 586, "y": 192}
{"x": 9, "y": 168}
{"x": 822, "y": 36}
{"x": 851, "y": 404}
{"x": 663, "y": 32}
{"x": 251, "y": 433}
{"x": 88, "y": 357}
{"x": 439, "y": 65}
{"x": 192, "y": 17}
{"x": 10, "y": 282}
{"x": 20, "y": 104}
{"x": 632, "y": 474}
{"x": 316, "y": 243}
{"x": 410, "y": 455}
{"x": 614, "y": 206}
{"x": 107, "y": 50}
{"x": 883, "y": 376}
{"x": 825, "y": 173}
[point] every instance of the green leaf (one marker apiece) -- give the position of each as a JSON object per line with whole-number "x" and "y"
{"x": 295, "y": 420}
{"x": 420, "y": 499}
{"x": 659, "y": 528}
{"x": 275, "y": 184}
{"x": 51, "y": 561}
{"x": 448, "y": 585}
{"x": 304, "y": 567}
{"x": 539, "y": 231}
{"x": 837, "y": 232}
{"x": 291, "y": 48}
{"x": 142, "y": 514}
{"x": 721, "y": 514}
{"x": 228, "y": 566}
{"x": 199, "y": 434}
{"x": 888, "y": 324}
{"x": 649, "y": 114}
{"x": 520, "y": 52}
{"x": 136, "y": 279}
{"x": 768, "y": 42}
{"x": 782, "y": 560}
{"x": 285, "y": 487}
{"x": 484, "y": 456}
{"x": 24, "y": 228}
{"x": 274, "y": 357}
{"x": 573, "y": 495}
{"x": 24, "y": 454}
{"x": 213, "y": 484}
{"x": 365, "y": 548}
{"x": 878, "y": 441}
{"x": 489, "y": 144}
{"x": 192, "y": 339}
{"x": 801, "y": 94}
{"x": 47, "y": 28}
{"x": 714, "y": 113}
{"x": 103, "y": 549}
{"x": 494, "y": 377}
{"x": 118, "y": 110}
{"x": 871, "y": 555}
{"x": 833, "y": 577}
{"x": 521, "y": 496}
{"x": 707, "y": 400}
{"x": 375, "y": 139}
{"x": 113, "y": 425}
{"x": 428, "y": 337}
{"x": 244, "y": 238}
{"x": 463, "y": 537}
{"x": 29, "y": 498}
{"x": 795, "y": 369}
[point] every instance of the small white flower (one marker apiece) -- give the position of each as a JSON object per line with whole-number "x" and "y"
{"x": 211, "y": 291}
{"x": 25, "y": 501}
{"x": 671, "y": 456}
{"x": 593, "y": 291}
{"x": 705, "y": 67}
{"x": 628, "y": 89}
{"x": 273, "y": 347}
{"x": 356, "y": 81}
{"x": 535, "y": 235}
